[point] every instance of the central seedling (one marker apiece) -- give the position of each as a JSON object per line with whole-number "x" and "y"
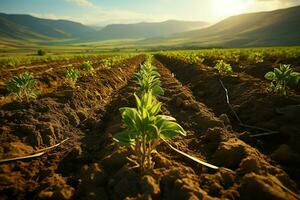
{"x": 145, "y": 128}
{"x": 23, "y": 86}
{"x": 282, "y": 78}
{"x": 149, "y": 80}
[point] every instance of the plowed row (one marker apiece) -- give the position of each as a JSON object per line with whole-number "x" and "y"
{"x": 90, "y": 166}
{"x": 63, "y": 113}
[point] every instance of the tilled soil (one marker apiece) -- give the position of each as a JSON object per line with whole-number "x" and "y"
{"x": 253, "y": 105}
{"x": 63, "y": 113}
{"x": 90, "y": 166}
{"x": 49, "y": 76}
{"x": 38, "y": 64}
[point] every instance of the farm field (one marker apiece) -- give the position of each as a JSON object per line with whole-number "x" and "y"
{"x": 231, "y": 134}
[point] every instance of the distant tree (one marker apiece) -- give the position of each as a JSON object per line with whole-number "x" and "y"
{"x": 41, "y": 52}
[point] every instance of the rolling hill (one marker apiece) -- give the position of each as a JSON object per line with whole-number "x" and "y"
{"x": 146, "y": 29}
{"x": 279, "y": 27}
{"x": 273, "y": 28}
{"x": 26, "y": 27}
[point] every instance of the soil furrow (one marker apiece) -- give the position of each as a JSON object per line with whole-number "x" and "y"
{"x": 91, "y": 166}
{"x": 253, "y": 105}
{"x": 65, "y": 113}
{"x": 214, "y": 141}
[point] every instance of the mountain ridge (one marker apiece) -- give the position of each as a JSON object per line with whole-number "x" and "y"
{"x": 27, "y": 27}
{"x": 269, "y": 28}
{"x": 277, "y": 27}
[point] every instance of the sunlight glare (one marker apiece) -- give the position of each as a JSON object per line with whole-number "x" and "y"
{"x": 225, "y": 8}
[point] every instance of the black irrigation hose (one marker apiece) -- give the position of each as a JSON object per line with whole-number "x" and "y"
{"x": 266, "y": 131}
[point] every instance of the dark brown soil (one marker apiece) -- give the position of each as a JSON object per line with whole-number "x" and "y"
{"x": 90, "y": 166}
{"x": 63, "y": 113}
{"x": 254, "y": 106}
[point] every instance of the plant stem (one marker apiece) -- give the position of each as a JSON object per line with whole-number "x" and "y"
{"x": 144, "y": 150}
{"x": 149, "y": 155}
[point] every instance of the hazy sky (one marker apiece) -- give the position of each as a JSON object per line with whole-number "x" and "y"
{"x": 128, "y": 11}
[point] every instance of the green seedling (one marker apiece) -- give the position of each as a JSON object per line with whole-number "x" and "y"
{"x": 149, "y": 80}
{"x": 88, "y": 67}
{"x": 223, "y": 68}
{"x": 72, "y": 75}
{"x": 256, "y": 57}
{"x": 146, "y": 128}
{"x": 14, "y": 62}
{"x": 193, "y": 59}
{"x": 282, "y": 79}
{"x": 23, "y": 86}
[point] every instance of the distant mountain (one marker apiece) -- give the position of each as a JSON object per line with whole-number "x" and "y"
{"x": 96, "y": 27}
{"x": 147, "y": 29}
{"x": 279, "y": 27}
{"x": 273, "y": 28}
{"x": 28, "y": 27}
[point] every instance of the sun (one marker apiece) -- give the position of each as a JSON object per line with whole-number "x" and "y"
{"x": 225, "y": 8}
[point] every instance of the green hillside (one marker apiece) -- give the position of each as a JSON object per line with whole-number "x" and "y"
{"x": 279, "y": 27}
{"x": 146, "y": 29}
{"x": 26, "y": 27}
{"x": 274, "y": 28}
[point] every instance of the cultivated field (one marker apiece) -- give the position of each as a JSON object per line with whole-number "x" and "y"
{"x": 206, "y": 124}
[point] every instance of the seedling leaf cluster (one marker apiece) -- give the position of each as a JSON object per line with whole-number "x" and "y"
{"x": 282, "y": 79}
{"x": 72, "y": 75}
{"x": 23, "y": 86}
{"x": 223, "y": 68}
{"x": 145, "y": 127}
{"x": 148, "y": 80}
{"x": 88, "y": 67}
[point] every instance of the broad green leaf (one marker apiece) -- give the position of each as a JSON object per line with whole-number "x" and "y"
{"x": 170, "y": 129}
{"x": 270, "y": 76}
{"x": 277, "y": 72}
{"x": 130, "y": 117}
{"x": 157, "y": 90}
{"x": 152, "y": 132}
{"x": 138, "y": 101}
{"x": 125, "y": 138}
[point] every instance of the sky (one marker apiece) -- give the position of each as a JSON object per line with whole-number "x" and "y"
{"x": 103, "y": 12}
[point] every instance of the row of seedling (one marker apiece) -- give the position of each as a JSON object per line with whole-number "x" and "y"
{"x": 145, "y": 126}
{"x": 113, "y": 60}
{"x": 282, "y": 78}
{"x": 23, "y": 87}
{"x": 17, "y": 61}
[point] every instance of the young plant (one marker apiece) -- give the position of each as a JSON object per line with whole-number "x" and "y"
{"x": 256, "y": 57}
{"x": 223, "y": 68}
{"x": 282, "y": 78}
{"x": 14, "y": 62}
{"x": 88, "y": 67}
{"x": 193, "y": 59}
{"x": 148, "y": 80}
{"x": 146, "y": 128}
{"x": 23, "y": 86}
{"x": 72, "y": 75}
